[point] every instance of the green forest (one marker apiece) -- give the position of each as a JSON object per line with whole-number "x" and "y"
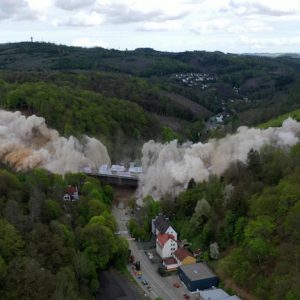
{"x": 250, "y": 89}
{"x": 253, "y": 214}
{"x": 246, "y": 223}
{"x": 50, "y": 248}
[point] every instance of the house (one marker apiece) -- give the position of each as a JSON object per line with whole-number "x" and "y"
{"x": 166, "y": 236}
{"x": 170, "y": 263}
{"x": 166, "y": 244}
{"x": 162, "y": 225}
{"x": 180, "y": 257}
{"x": 216, "y": 294}
{"x": 71, "y": 193}
{"x": 184, "y": 257}
{"x": 197, "y": 277}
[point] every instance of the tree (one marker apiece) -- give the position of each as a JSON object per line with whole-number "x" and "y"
{"x": 96, "y": 208}
{"x": 121, "y": 255}
{"x": 254, "y": 163}
{"x": 214, "y": 250}
{"x": 258, "y": 234}
{"x": 292, "y": 223}
{"x": 3, "y": 270}
{"x": 85, "y": 271}
{"x": 11, "y": 243}
{"x": 28, "y": 280}
{"x": 98, "y": 243}
{"x": 201, "y": 214}
{"x": 169, "y": 135}
{"x": 132, "y": 204}
{"x": 65, "y": 285}
{"x": 263, "y": 227}
{"x": 239, "y": 230}
{"x": 51, "y": 210}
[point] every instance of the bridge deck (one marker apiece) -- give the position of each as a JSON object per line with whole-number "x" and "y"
{"x": 117, "y": 180}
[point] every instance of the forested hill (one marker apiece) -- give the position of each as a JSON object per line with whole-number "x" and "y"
{"x": 128, "y": 97}
{"x": 51, "y": 249}
{"x": 250, "y": 219}
{"x": 144, "y": 62}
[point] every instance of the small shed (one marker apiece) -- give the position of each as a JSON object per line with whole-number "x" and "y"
{"x": 197, "y": 277}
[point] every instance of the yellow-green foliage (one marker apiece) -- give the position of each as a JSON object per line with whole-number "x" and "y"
{"x": 277, "y": 122}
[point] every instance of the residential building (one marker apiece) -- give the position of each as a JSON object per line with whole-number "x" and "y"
{"x": 184, "y": 257}
{"x": 162, "y": 225}
{"x": 71, "y": 194}
{"x": 166, "y": 245}
{"x": 216, "y": 294}
{"x": 197, "y": 277}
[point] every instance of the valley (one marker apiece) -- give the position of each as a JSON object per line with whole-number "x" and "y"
{"x": 230, "y": 192}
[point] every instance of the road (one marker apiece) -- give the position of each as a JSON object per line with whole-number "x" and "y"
{"x": 160, "y": 286}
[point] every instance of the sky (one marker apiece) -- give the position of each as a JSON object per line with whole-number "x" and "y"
{"x": 236, "y": 26}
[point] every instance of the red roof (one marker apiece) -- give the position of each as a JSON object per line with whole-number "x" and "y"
{"x": 182, "y": 253}
{"x": 170, "y": 261}
{"x": 163, "y": 238}
{"x": 71, "y": 190}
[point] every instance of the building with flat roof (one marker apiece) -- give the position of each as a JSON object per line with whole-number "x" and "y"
{"x": 197, "y": 277}
{"x": 216, "y": 294}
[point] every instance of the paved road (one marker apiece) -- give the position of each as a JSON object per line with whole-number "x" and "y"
{"x": 160, "y": 286}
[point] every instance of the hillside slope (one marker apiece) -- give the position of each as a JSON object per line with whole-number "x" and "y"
{"x": 187, "y": 88}
{"x": 295, "y": 114}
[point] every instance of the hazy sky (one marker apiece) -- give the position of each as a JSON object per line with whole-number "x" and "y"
{"x": 173, "y": 25}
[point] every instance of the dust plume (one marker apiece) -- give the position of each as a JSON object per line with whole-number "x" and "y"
{"x": 27, "y": 142}
{"x": 168, "y": 168}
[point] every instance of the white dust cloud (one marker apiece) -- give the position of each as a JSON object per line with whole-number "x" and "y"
{"x": 168, "y": 168}
{"x": 27, "y": 142}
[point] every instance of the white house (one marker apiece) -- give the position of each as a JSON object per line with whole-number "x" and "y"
{"x": 166, "y": 244}
{"x": 162, "y": 225}
{"x": 71, "y": 194}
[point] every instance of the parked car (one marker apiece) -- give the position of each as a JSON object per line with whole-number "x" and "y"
{"x": 138, "y": 265}
{"x": 186, "y": 296}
